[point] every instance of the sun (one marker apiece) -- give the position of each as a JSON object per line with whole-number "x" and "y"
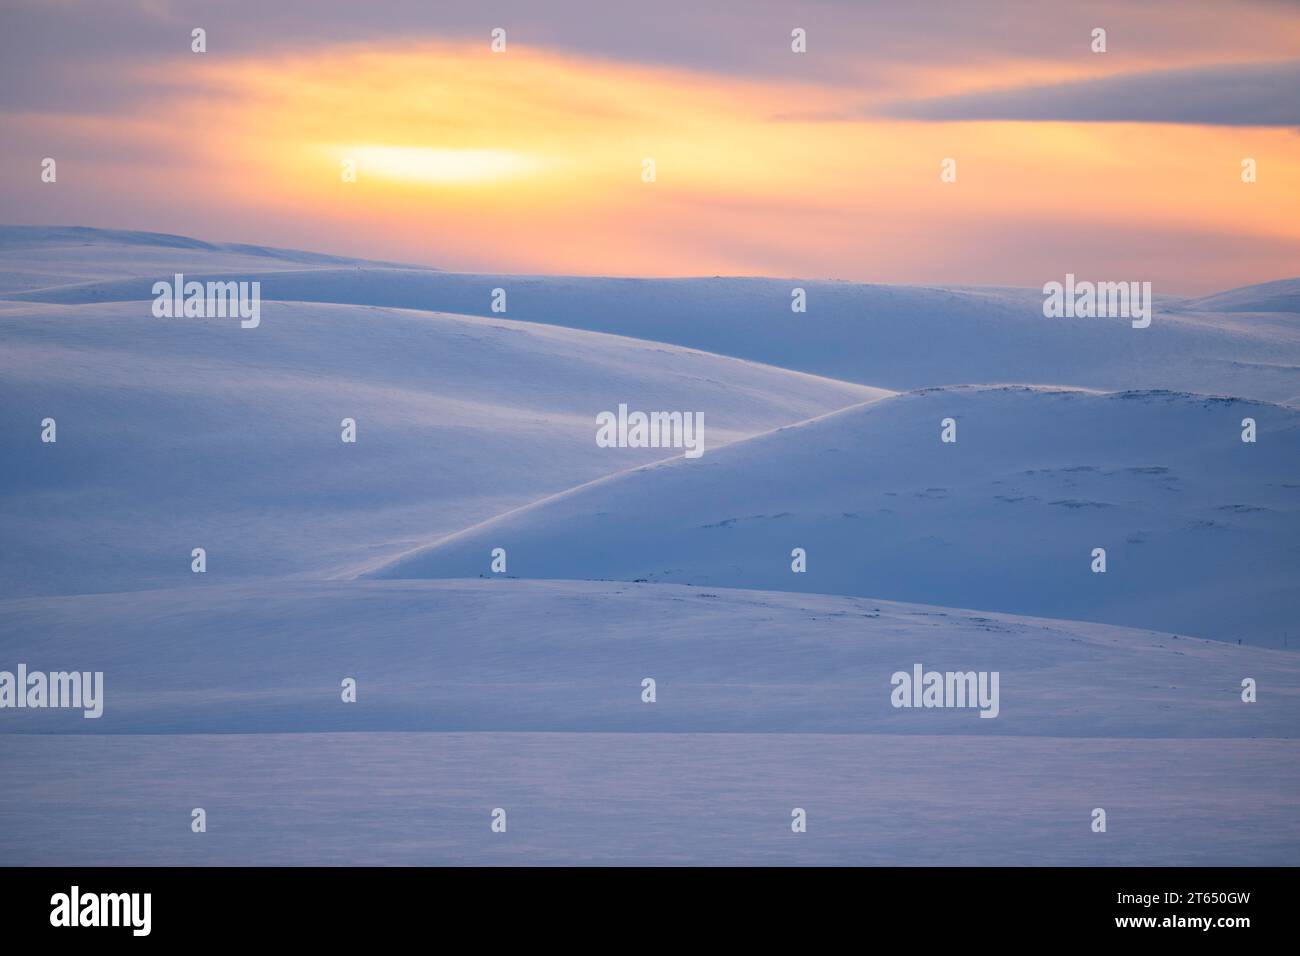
{"x": 435, "y": 166}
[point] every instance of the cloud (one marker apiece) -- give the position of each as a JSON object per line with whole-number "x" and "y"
{"x": 75, "y": 56}
{"x": 1235, "y": 95}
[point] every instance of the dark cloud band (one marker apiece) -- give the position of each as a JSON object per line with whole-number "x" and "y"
{"x": 1236, "y": 95}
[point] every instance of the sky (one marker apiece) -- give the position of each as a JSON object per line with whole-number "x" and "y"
{"x": 1122, "y": 165}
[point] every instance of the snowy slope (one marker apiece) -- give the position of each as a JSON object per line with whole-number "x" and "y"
{"x": 1280, "y": 296}
{"x": 895, "y": 337}
{"x": 40, "y": 257}
{"x": 477, "y": 430}
{"x": 570, "y": 656}
{"x": 765, "y": 702}
{"x": 176, "y": 434}
{"x": 1201, "y": 530}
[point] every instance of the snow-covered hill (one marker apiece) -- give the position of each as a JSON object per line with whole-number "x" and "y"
{"x": 176, "y": 434}
{"x": 895, "y": 337}
{"x": 508, "y": 655}
{"x": 477, "y": 430}
{"x": 1280, "y": 296}
{"x": 1201, "y": 530}
{"x": 33, "y": 258}
{"x": 764, "y": 702}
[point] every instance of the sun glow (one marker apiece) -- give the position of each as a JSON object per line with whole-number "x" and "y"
{"x": 533, "y": 162}
{"x": 439, "y": 165}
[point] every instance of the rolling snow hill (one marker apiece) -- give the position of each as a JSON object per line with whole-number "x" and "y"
{"x": 893, "y": 337}
{"x": 1201, "y": 530}
{"x": 765, "y": 702}
{"x": 523, "y": 690}
{"x": 517, "y": 656}
{"x": 184, "y": 433}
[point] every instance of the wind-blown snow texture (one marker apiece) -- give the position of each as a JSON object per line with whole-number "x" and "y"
{"x": 523, "y": 690}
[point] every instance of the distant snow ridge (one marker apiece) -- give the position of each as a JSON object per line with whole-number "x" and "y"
{"x": 894, "y": 337}
{"x": 1280, "y": 296}
{"x": 19, "y": 239}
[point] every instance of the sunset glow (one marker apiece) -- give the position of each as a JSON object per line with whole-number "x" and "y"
{"x": 470, "y": 160}
{"x": 431, "y": 165}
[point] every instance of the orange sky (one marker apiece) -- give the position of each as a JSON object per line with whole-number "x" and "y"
{"x": 531, "y": 161}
